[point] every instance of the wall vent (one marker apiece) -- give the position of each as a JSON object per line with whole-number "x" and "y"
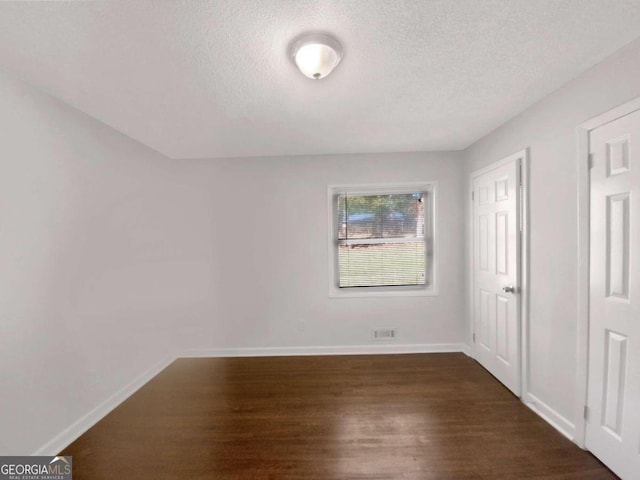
{"x": 381, "y": 334}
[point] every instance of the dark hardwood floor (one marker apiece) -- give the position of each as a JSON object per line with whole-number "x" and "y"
{"x": 423, "y": 416}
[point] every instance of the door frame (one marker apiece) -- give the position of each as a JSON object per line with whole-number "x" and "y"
{"x": 584, "y": 234}
{"x": 523, "y": 206}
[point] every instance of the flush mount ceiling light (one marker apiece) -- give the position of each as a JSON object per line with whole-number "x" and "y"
{"x": 316, "y": 55}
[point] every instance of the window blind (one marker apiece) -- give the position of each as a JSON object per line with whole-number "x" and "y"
{"x": 381, "y": 239}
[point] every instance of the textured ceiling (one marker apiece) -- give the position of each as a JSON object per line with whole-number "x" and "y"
{"x": 212, "y": 78}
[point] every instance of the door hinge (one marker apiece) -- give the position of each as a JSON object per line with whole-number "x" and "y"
{"x": 473, "y": 336}
{"x": 521, "y": 219}
{"x": 520, "y": 179}
{"x": 473, "y": 197}
{"x": 585, "y": 412}
{"x": 591, "y": 162}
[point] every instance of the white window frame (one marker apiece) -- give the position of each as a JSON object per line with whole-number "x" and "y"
{"x": 431, "y": 235}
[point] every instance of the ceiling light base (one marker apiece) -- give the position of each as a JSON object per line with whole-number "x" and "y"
{"x": 316, "y": 54}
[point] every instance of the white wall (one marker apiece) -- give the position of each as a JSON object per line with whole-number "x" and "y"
{"x": 271, "y": 233}
{"x": 104, "y": 265}
{"x": 549, "y": 130}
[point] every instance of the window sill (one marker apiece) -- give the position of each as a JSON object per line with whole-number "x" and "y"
{"x": 336, "y": 292}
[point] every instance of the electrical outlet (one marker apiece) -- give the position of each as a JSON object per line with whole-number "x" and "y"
{"x": 302, "y": 324}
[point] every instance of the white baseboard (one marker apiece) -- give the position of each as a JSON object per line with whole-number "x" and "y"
{"x": 385, "y": 348}
{"x": 564, "y": 426}
{"x": 466, "y": 349}
{"x": 71, "y": 433}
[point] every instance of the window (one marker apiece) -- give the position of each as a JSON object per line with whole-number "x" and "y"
{"x": 382, "y": 240}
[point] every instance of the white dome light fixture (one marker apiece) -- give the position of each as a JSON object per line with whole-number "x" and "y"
{"x": 316, "y": 54}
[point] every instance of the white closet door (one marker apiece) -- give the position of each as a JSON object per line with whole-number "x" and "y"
{"x": 613, "y": 421}
{"x": 496, "y": 253}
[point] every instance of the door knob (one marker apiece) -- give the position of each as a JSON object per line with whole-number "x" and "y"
{"x": 509, "y": 289}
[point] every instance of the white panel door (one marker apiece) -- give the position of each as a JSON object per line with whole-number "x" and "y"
{"x": 496, "y": 254}
{"x": 613, "y": 421}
